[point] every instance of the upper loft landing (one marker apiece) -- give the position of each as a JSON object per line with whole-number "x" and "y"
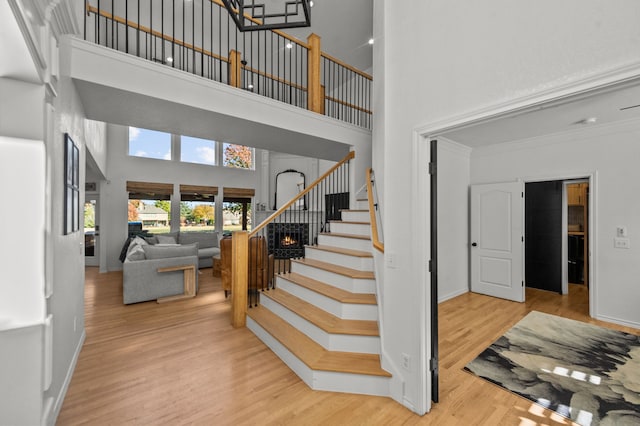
{"x": 201, "y": 38}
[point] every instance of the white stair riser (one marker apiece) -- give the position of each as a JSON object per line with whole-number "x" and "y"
{"x": 293, "y": 362}
{"x": 342, "y": 242}
{"x": 355, "y": 216}
{"x": 329, "y": 341}
{"x": 322, "y": 380}
{"x": 351, "y": 228}
{"x": 354, "y": 285}
{"x": 352, "y": 383}
{"x": 354, "y": 311}
{"x": 353, "y": 262}
{"x": 361, "y": 205}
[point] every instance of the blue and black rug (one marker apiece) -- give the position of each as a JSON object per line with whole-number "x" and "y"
{"x": 583, "y": 372}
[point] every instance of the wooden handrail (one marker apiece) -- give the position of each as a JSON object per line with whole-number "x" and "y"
{"x": 377, "y": 244}
{"x": 347, "y": 66}
{"x": 274, "y": 78}
{"x": 351, "y": 155}
{"x": 144, "y": 29}
{"x": 348, "y": 104}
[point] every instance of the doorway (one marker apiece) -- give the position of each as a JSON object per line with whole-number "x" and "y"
{"x": 504, "y": 262}
{"x": 557, "y": 219}
{"x": 91, "y": 230}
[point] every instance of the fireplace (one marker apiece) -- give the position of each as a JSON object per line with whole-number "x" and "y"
{"x": 287, "y": 240}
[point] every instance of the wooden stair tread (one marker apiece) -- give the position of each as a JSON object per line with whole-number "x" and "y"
{"x": 330, "y": 291}
{"x": 356, "y": 236}
{"x": 321, "y": 318}
{"x": 340, "y": 250}
{"x": 342, "y": 270}
{"x": 350, "y": 222}
{"x": 354, "y": 211}
{"x": 312, "y": 354}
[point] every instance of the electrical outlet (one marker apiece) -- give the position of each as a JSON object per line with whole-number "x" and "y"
{"x": 406, "y": 362}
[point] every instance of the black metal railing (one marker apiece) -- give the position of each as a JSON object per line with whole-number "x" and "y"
{"x": 347, "y": 92}
{"x": 281, "y": 239}
{"x": 200, "y": 37}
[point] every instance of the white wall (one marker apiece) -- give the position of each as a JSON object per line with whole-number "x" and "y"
{"x": 612, "y": 152}
{"x": 122, "y": 167}
{"x": 66, "y": 252}
{"x": 445, "y": 59}
{"x": 279, "y": 162}
{"x": 22, "y": 171}
{"x": 453, "y": 224}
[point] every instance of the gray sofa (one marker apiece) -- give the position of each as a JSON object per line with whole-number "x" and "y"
{"x": 141, "y": 279}
{"x": 207, "y": 244}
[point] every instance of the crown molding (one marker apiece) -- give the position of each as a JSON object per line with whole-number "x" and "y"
{"x": 62, "y": 18}
{"x": 608, "y": 80}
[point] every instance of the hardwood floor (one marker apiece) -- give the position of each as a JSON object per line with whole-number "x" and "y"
{"x": 183, "y": 363}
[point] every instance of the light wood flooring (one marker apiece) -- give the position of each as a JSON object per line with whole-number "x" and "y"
{"x": 182, "y": 363}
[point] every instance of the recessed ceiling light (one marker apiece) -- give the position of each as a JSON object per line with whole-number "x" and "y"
{"x": 371, "y": 40}
{"x": 169, "y": 59}
{"x": 588, "y": 120}
{"x": 289, "y": 45}
{"x": 311, "y": 3}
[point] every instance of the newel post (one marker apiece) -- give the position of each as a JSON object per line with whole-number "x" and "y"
{"x": 235, "y": 68}
{"x": 239, "y": 278}
{"x": 315, "y": 99}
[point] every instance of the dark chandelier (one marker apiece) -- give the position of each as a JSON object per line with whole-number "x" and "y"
{"x": 296, "y": 13}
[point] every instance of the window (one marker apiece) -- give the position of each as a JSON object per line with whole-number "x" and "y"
{"x": 195, "y": 150}
{"x": 149, "y": 144}
{"x": 149, "y": 207}
{"x": 236, "y": 209}
{"x": 197, "y": 208}
{"x": 237, "y": 156}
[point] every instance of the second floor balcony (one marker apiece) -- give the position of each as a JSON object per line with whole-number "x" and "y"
{"x": 199, "y": 37}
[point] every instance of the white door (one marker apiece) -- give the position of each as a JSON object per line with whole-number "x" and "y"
{"x": 497, "y": 240}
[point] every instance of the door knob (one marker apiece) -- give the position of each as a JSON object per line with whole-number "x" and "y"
{"x": 474, "y": 244}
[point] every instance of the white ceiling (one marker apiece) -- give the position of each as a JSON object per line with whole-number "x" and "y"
{"x": 606, "y": 106}
{"x": 345, "y": 27}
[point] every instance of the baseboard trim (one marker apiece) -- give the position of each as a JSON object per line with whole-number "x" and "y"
{"x": 451, "y": 295}
{"x": 52, "y": 416}
{"x": 618, "y": 321}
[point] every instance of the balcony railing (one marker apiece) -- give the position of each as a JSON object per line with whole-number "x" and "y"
{"x": 199, "y": 37}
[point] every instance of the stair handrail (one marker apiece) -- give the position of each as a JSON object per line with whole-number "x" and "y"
{"x": 271, "y": 247}
{"x": 350, "y": 156}
{"x": 372, "y": 197}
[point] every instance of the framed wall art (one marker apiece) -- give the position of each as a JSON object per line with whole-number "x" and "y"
{"x": 71, "y": 186}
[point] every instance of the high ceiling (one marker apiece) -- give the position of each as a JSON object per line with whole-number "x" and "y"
{"x": 345, "y": 27}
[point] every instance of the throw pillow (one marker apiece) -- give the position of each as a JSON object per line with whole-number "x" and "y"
{"x": 139, "y": 240}
{"x": 163, "y": 252}
{"x": 165, "y": 239}
{"x": 151, "y": 239}
{"x": 136, "y": 252}
{"x": 204, "y": 239}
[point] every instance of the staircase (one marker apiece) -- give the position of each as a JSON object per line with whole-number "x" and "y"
{"x": 322, "y": 317}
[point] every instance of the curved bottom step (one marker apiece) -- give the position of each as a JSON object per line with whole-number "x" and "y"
{"x": 335, "y": 372}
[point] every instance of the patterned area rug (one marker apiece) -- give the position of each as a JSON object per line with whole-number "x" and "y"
{"x": 586, "y": 373}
